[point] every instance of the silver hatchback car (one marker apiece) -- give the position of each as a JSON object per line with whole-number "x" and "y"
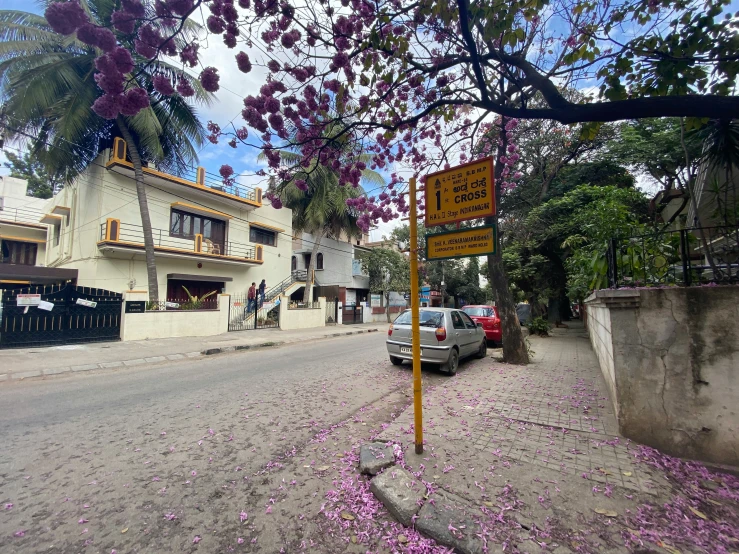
{"x": 447, "y": 336}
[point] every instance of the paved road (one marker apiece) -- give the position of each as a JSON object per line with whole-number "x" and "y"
{"x": 147, "y": 460}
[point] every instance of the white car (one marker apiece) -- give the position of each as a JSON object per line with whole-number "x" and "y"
{"x": 447, "y": 336}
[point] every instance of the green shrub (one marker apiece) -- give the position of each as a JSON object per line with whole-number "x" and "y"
{"x": 539, "y": 326}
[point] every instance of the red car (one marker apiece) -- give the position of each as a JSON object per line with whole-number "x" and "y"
{"x": 488, "y": 316}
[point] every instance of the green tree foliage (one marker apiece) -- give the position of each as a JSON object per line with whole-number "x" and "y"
{"x": 578, "y": 226}
{"x": 388, "y": 271}
{"x": 29, "y": 168}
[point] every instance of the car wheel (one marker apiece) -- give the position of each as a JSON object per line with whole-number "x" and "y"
{"x": 396, "y": 361}
{"x": 452, "y": 363}
{"x": 483, "y": 350}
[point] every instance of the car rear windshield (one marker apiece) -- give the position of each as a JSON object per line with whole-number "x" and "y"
{"x": 426, "y": 318}
{"x": 479, "y": 312}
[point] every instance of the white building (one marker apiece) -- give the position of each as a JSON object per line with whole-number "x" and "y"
{"x": 337, "y": 266}
{"x": 207, "y": 237}
{"x": 24, "y": 237}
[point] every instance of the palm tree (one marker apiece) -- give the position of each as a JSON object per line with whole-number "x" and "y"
{"x": 320, "y": 210}
{"x": 47, "y": 87}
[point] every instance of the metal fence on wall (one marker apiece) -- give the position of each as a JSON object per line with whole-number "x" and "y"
{"x": 244, "y": 316}
{"x": 685, "y": 257}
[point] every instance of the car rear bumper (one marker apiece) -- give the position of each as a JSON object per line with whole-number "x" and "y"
{"x": 429, "y": 354}
{"x": 495, "y": 335}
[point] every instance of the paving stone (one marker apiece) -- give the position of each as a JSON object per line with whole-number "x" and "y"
{"x": 57, "y": 370}
{"x": 176, "y": 357}
{"x": 110, "y": 365}
{"x": 374, "y": 457}
{"x": 399, "y": 492}
{"x": 84, "y": 367}
{"x": 211, "y": 351}
{"x": 154, "y": 359}
{"x": 137, "y": 361}
{"x": 444, "y": 511}
{"x": 193, "y": 354}
{"x": 27, "y": 374}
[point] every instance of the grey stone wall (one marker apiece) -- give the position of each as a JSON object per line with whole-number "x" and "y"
{"x": 671, "y": 360}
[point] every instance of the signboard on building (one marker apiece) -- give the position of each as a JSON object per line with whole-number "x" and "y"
{"x": 461, "y": 193}
{"x": 479, "y": 241}
{"x": 135, "y": 306}
{"x": 375, "y": 300}
{"x": 28, "y": 299}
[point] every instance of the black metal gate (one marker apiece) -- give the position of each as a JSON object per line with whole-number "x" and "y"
{"x": 242, "y": 316}
{"x": 351, "y": 314}
{"x": 332, "y": 312}
{"x": 59, "y": 314}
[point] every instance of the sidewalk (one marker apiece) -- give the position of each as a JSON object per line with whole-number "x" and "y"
{"x": 24, "y": 363}
{"x": 533, "y": 457}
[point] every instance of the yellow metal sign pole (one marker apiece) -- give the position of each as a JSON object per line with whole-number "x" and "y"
{"x": 416, "y": 331}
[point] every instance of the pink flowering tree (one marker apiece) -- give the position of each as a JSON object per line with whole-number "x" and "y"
{"x": 73, "y": 80}
{"x": 414, "y": 82}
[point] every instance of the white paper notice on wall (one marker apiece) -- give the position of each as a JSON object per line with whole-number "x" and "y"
{"x": 48, "y": 306}
{"x": 28, "y": 299}
{"x": 88, "y": 303}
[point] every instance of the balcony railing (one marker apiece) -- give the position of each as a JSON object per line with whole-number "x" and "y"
{"x": 126, "y": 234}
{"x": 20, "y": 215}
{"x": 196, "y": 177}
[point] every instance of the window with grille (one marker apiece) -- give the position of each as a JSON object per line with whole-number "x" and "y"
{"x": 262, "y": 236}
{"x": 19, "y": 253}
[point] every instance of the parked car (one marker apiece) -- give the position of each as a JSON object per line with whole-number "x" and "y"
{"x": 488, "y": 316}
{"x": 447, "y": 336}
{"x": 524, "y": 313}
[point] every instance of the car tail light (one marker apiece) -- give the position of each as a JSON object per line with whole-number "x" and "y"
{"x": 496, "y": 324}
{"x": 441, "y": 334}
{"x": 390, "y": 331}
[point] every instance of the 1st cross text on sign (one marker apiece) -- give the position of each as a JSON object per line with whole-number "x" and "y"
{"x": 461, "y": 193}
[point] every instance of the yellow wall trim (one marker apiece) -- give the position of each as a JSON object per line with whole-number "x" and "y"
{"x": 178, "y": 205}
{"x": 22, "y": 239}
{"x": 264, "y": 226}
{"x": 11, "y": 282}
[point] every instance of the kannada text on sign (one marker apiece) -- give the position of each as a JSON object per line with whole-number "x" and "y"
{"x": 479, "y": 241}
{"x": 461, "y": 193}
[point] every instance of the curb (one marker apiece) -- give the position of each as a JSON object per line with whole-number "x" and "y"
{"x": 225, "y": 349}
{"x": 137, "y": 362}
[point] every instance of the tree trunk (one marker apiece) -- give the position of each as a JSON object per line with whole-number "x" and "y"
{"x": 151, "y": 265}
{"x": 311, "y": 267}
{"x": 514, "y": 345}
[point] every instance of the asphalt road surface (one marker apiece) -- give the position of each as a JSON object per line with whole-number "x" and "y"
{"x": 233, "y": 453}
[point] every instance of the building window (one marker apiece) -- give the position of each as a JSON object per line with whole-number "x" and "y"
{"x": 294, "y": 264}
{"x": 319, "y": 261}
{"x": 19, "y": 253}
{"x": 262, "y": 236}
{"x": 186, "y": 225}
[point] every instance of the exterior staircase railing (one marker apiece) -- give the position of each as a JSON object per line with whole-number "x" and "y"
{"x": 297, "y": 276}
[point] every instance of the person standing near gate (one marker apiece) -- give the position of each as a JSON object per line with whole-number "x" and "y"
{"x": 262, "y": 289}
{"x": 252, "y": 296}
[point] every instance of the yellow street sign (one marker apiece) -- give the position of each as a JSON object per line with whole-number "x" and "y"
{"x": 461, "y": 193}
{"x": 479, "y": 241}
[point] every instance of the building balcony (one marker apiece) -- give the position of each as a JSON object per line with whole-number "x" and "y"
{"x": 195, "y": 185}
{"x": 22, "y": 218}
{"x": 121, "y": 240}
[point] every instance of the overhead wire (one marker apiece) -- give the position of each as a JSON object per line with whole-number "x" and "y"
{"x": 96, "y": 220}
